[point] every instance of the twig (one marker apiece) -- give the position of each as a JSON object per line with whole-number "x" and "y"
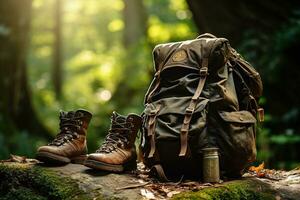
{"x": 133, "y": 186}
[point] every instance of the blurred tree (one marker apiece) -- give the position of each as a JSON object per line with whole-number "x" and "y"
{"x": 135, "y": 21}
{"x": 57, "y": 49}
{"x": 232, "y": 18}
{"x": 17, "y": 112}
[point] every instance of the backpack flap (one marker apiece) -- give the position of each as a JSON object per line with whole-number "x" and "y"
{"x": 242, "y": 117}
{"x": 188, "y": 54}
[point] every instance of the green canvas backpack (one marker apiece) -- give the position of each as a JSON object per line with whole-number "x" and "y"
{"x": 204, "y": 94}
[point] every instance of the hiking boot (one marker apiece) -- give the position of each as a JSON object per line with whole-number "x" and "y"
{"x": 117, "y": 153}
{"x": 70, "y": 143}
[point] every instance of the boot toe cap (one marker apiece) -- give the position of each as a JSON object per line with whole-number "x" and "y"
{"x": 105, "y": 158}
{"x": 48, "y": 149}
{"x": 96, "y": 156}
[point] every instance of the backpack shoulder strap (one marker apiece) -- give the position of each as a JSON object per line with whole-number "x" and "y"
{"x": 156, "y": 81}
{"x": 205, "y": 52}
{"x": 191, "y": 108}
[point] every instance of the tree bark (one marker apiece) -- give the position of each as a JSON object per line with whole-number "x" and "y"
{"x": 57, "y": 49}
{"x": 232, "y": 18}
{"x": 17, "y": 112}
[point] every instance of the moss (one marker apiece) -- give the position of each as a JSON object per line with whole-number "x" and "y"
{"x": 20, "y": 181}
{"x": 235, "y": 190}
{"x": 23, "y": 193}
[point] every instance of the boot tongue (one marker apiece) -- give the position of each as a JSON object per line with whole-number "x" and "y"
{"x": 77, "y": 113}
{"x": 83, "y": 113}
{"x": 70, "y": 114}
{"x": 119, "y": 119}
{"x": 65, "y": 114}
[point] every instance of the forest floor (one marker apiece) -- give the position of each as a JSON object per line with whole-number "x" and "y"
{"x": 22, "y": 178}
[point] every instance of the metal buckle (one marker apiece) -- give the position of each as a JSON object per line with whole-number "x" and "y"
{"x": 203, "y": 71}
{"x": 184, "y": 131}
{"x": 189, "y": 111}
{"x": 153, "y": 112}
{"x": 157, "y": 73}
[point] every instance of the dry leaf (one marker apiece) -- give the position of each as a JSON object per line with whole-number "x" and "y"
{"x": 257, "y": 169}
{"x": 261, "y": 175}
{"x": 20, "y": 159}
{"x": 170, "y": 194}
{"x": 147, "y": 193}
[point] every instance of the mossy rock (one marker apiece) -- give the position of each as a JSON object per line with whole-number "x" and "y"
{"x": 27, "y": 182}
{"x": 72, "y": 181}
{"x": 235, "y": 190}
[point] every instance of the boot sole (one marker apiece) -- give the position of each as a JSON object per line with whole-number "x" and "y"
{"x": 130, "y": 165}
{"x": 51, "y": 158}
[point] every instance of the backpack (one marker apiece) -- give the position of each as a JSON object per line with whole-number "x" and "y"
{"x": 204, "y": 94}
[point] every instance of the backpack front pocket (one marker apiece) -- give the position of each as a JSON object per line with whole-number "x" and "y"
{"x": 163, "y": 121}
{"x": 235, "y": 136}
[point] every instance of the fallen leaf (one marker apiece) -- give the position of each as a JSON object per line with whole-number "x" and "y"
{"x": 258, "y": 168}
{"x": 147, "y": 193}
{"x": 261, "y": 175}
{"x": 20, "y": 159}
{"x": 170, "y": 194}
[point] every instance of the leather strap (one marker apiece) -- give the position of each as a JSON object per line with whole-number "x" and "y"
{"x": 162, "y": 176}
{"x": 151, "y": 130}
{"x": 261, "y": 114}
{"x": 191, "y": 108}
{"x": 161, "y": 173}
{"x": 157, "y": 82}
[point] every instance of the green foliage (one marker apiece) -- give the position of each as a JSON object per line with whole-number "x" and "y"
{"x": 276, "y": 59}
{"x": 96, "y": 64}
{"x": 20, "y": 143}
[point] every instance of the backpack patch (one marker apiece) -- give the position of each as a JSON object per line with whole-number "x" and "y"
{"x": 179, "y": 56}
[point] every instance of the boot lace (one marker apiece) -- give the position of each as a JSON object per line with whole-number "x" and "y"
{"x": 117, "y": 136}
{"x": 68, "y": 127}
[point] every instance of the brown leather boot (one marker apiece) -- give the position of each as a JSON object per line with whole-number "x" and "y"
{"x": 70, "y": 143}
{"x": 117, "y": 153}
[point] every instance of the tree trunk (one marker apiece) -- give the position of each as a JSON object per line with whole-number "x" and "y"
{"x": 231, "y": 19}
{"x": 134, "y": 16}
{"x": 135, "y": 19}
{"x": 267, "y": 33}
{"x": 16, "y": 109}
{"x": 57, "y": 49}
